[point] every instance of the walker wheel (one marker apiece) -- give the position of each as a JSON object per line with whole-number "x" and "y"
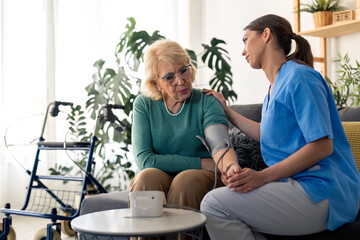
{"x": 66, "y": 226}
{"x": 11, "y": 235}
{"x": 42, "y": 233}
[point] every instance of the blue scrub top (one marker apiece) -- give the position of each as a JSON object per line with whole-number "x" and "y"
{"x": 301, "y": 109}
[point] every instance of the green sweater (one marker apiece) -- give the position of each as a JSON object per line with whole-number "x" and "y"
{"x": 167, "y": 142}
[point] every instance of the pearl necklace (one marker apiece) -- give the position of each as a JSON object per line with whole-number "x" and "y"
{"x": 174, "y": 114}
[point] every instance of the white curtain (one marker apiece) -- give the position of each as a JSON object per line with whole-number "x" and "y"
{"x": 48, "y": 48}
{"x": 23, "y": 87}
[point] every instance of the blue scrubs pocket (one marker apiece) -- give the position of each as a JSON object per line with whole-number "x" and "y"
{"x": 275, "y": 128}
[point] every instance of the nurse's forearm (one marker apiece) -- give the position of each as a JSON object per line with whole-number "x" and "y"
{"x": 301, "y": 160}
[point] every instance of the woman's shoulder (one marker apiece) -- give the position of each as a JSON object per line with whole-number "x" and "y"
{"x": 298, "y": 68}
{"x": 300, "y": 72}
{"x": 142, "y": 100}
{"x": 198, "y": 95}
{"x": 196, "y": 92}
{"x": 204, "y": 101}
{"x": 299, "y": 77}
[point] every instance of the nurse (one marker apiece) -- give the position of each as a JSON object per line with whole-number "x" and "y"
{"x": 312, "y": 182}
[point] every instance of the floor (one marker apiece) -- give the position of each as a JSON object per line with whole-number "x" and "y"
{"x": 27, "y": 227}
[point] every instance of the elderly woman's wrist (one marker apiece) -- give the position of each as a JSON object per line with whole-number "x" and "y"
{"x": 230, "y": 166}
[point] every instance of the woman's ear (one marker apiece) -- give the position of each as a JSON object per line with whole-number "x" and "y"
{"x": 157, "y": 86}
{"x": 266, "y": 34}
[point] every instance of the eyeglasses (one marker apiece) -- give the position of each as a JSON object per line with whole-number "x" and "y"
{"x": 184, "y": 73}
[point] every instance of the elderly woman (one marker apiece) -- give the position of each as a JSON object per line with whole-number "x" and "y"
{"x": 167, "y": 118}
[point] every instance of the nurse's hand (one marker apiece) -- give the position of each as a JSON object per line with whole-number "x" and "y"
{"x": 245, "y": 180}
{"x": 217, "y": 95}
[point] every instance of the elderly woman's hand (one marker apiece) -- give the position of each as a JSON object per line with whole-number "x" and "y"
{"x": 229, "y": 172}
{"x": 217, "y": 95}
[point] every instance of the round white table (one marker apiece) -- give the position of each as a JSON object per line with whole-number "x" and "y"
{"x": 119, "y": 223}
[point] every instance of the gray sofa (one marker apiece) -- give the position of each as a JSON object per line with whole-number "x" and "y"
{"x": 350, "y": 231}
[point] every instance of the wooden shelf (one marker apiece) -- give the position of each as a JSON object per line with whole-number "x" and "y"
{"x": 334, "y": 30}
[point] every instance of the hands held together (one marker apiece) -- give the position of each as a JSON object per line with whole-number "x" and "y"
{"x": 242, "y": 180}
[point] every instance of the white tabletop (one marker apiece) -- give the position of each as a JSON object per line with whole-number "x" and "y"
{"x": 118, "y": 222}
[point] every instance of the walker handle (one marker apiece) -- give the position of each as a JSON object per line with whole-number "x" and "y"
{"x": 55, "y": 110}
{"x": 115, "y": 106}
{"x": 64, "y": 103}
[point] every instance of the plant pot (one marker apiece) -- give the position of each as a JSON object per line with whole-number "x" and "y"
{"x": 322, "y": 18}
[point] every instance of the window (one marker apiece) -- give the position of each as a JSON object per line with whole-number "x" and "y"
{"x": 48, "y": 48}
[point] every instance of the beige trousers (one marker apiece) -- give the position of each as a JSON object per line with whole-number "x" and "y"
{"x": 185, "y": 189}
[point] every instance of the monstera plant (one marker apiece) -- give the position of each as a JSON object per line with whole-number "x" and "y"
{"x": 120, "y": 86}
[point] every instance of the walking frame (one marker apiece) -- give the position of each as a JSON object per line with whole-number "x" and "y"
{"x": 62, "y": 198}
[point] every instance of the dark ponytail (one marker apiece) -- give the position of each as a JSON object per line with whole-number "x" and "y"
{"x": 302, "y": 52}
{"x": 282, "y": 31}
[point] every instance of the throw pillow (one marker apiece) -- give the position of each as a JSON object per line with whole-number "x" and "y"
{"x": 352, "y": 131}
{"x": 247, "y": 150}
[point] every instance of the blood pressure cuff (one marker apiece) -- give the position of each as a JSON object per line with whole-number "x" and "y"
{"x": 216, "y": 138}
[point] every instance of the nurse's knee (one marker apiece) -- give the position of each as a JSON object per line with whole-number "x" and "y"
{"x": 204, "y": 205}
{"x": 214, "y": 199}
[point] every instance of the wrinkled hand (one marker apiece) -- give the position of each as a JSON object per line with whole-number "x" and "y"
{"x": 217, "y": 95}
{"x": 243, "y": 180}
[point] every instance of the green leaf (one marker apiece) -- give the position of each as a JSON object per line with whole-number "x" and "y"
{"x": 345, "y": 88}
{"x": 124, "y": 38}
{"x": 322, "y": 5}
{"x": 136, "y": 45}
{"x": 192, "y": 57}
{"x": 215, "y": 56}
{"x": 99, "y": 64}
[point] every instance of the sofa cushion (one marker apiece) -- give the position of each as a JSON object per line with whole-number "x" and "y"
{"x": 251, "y": 111}
{"x": 352, "y": 131}
{"x": 348, "y": 114}
{"x": 104, "y": 201}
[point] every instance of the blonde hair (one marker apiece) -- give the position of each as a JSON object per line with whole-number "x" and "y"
{"x": 165, "y": 51}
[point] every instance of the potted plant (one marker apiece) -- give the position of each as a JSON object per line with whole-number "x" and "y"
{"x": 322, "y": 10}
{"x": 346, "y": 88}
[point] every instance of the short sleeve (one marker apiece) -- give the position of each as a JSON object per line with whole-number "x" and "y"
{"x": 213, "y": 112}
{"x": 310, "y": 106}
